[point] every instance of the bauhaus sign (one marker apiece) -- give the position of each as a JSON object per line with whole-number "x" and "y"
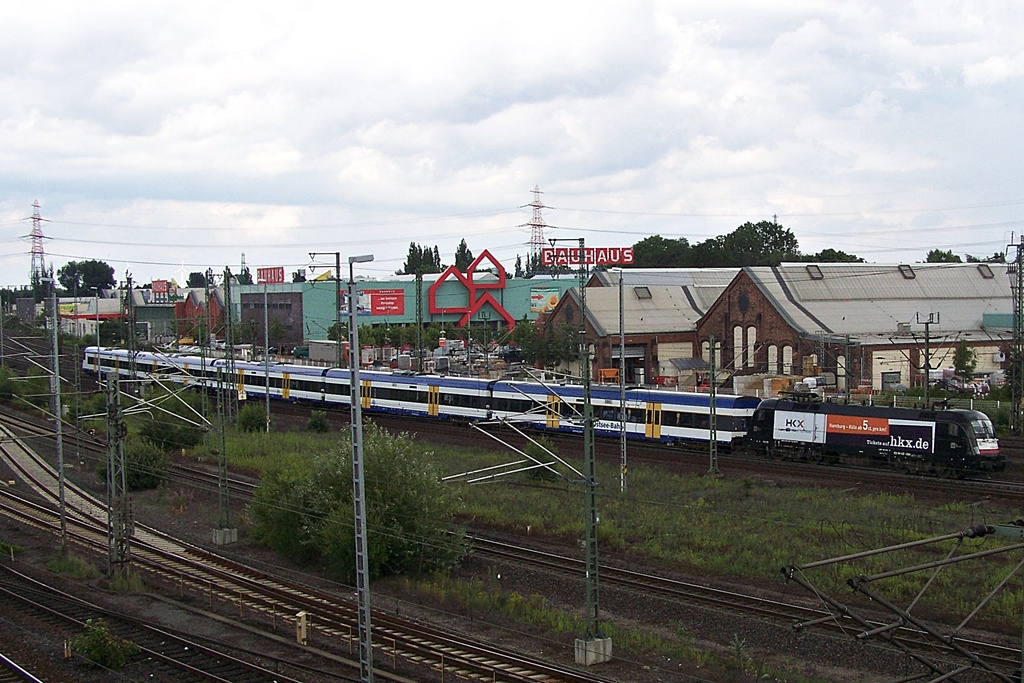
{"x": 594, "y": 256}
{"x": 270, "y": 276}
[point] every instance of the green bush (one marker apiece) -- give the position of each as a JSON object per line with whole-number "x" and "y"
{"x": 318, "y": 422}
{"x": 94, "y": 404}
{"x": 34, "y": 388}
{"x": 252, "y": 418}
{"x": 101, "y": 647}
{"x": 175, "y": 421}
{"x": 304, "y": 509}
{"x": 6, "y": 384}
{"x": 538, "y": 452}
{"x": 145, "y": 463}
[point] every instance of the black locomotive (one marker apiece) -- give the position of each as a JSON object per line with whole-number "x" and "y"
{"x": 949, "y": 442}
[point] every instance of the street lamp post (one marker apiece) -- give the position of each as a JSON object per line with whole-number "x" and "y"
{"x": 358, "y": 497}
{"x": 57, "y": 410}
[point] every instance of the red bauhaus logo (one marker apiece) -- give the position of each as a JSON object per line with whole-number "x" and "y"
{"x": 595, "y": 256}
{"x": 270, "y": 276}
{"x": 477, "y": 292}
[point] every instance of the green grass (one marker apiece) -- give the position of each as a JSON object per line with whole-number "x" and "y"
{"x": 489, "y": 602}
{"x": 747, "y": 530}
{"x": 738, "y": 529}
{"x": 74, "y": 567}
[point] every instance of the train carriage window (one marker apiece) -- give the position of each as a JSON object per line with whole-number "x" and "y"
{"x": 726, "y": 423}
{"x": 636, "y": 415}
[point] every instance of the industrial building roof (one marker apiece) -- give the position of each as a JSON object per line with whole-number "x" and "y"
{"x": 681, "y": 277}
{"x": 649, "y": 309}
{"x": 878, "y": 299}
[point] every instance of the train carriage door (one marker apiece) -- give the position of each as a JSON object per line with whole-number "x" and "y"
{"x": 286, "y": 385}
{"x": 240, "y": 381}
{"x": 552, "y": 411}
{"x": 652, "y": 420}
{"x": 365, "y": 392}
{"x": 433, "y": 400}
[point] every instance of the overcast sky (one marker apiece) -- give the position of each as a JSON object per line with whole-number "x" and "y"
{"x": 170, "y": 137}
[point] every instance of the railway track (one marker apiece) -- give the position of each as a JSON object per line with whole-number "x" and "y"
{"x": 162, "y": 654}
{"x": 266, "y": 601}
{"x": 778, "y": 611}
{"x": 785, "y": 613}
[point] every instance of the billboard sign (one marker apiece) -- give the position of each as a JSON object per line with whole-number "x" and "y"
{"x": 386, "y": 301}
{"x": 160, "y": 286}
{"x": 594, "y": 256}
{"x": 543, "y": 299}
{"x": 854, "y": 431}
{"x": 270, "y": 276}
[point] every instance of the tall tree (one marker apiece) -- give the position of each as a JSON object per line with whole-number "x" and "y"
{"x": 998, "y": 257}
{"x": 658, "y": 252}
{"x": 196, "y": 280}
{"x": 833, "y": 256}
{"x": 420, "y": 260}
{"x": 463, "y": 256}
{"x": 965, "y": 361}
{"x": 939, "y": 256}
{"x": 89, "y": 278}
{"x": 761, "y": 244}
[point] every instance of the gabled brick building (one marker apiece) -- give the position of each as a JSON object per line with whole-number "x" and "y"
{"x": 862, "y": 323}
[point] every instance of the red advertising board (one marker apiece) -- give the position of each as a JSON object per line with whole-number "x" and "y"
{"x": 160, "y": 286}
{"x": 270, "y": 276}
{"x": 595, "y": 256}
{"x": 386, "y": 301}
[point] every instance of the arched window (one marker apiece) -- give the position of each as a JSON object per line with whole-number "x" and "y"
{"x": 737, "y": 347}
{"x": 787, "y": 360}
{"x": 751, "y": 344}
{"x": 841, "y": 375}
{"x": 773, "y": 359}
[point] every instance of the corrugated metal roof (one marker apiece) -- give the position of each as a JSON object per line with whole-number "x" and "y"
{"x": 654, "y": 277}
{"x": 868, "y": 298}
{"x": 667, "y": 310}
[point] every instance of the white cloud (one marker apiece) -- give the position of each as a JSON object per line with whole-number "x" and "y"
{"x": 251, "y": 125}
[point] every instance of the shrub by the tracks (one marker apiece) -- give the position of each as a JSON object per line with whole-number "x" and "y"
{"x": 7, "y": 388}
{"x": 303, "y": 508}
{"x": 145, "y": 463}
{"x": 92, "y": 406}
{"x": 318, "y": 422}
{"x": 540, "y": 451}
{"x": 175, "y": 422}
{"x": 101, "y": 647}
{"x": 33, "y": 389}
{"x": 252, "y": 418}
